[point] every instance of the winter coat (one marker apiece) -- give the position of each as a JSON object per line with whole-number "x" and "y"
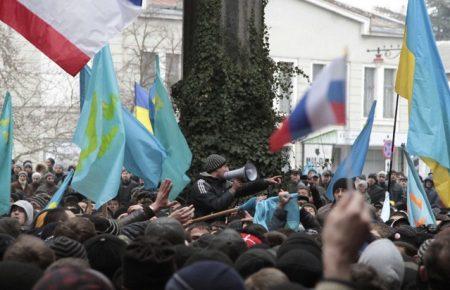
{"x": 17, "y": 187}
{"x": 211, "y": 194}
{"x": 124, "y": 193}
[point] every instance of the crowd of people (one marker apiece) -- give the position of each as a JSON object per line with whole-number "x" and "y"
{"x": 140, "y": 240}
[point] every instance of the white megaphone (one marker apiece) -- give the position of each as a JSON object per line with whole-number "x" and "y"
{"x": 248, "y": 172}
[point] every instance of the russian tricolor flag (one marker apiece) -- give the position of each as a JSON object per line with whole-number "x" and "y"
{"x": 69, "y": 32}
{"x": 322, "y": 105}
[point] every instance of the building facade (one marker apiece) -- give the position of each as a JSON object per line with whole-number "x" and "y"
{"x": 310, "y": 34}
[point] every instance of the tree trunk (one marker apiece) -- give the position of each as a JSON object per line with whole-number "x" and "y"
{"x": 235, "y": 19}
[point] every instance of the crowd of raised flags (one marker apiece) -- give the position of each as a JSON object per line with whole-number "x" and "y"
{"x": 155, "y": 149}
{"x": 150, "y": 145}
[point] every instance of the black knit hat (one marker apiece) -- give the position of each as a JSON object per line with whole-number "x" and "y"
{"x": 300, "y": 241}
{"x": 65, "y": 247}
{"x": 39, "y": 200}
{"x": 18, "y": 276}
{"x": 148, "y": 261}
{"x": 206, "y": 275}
{"x": 301, "y": 267}
{"x": 342, "y": 183}
{"x": 230, "y": 243}
{"x": 213, "y": 162}
{"x": 105, "y": 253}
{"x": 254, "y": 260}
{"x": 105, "y": 226}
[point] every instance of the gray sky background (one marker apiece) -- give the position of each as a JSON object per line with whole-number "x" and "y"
{"x": 395, "y": 5}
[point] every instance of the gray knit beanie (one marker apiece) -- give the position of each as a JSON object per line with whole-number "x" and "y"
{"x": 65, "y": 247}
{"x": 213, "y": 162}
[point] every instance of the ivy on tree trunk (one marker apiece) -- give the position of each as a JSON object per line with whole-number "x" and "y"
{"x": 227, "y": 106}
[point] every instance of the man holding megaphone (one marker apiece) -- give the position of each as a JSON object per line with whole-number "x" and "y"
{"x": 217, "y": 187}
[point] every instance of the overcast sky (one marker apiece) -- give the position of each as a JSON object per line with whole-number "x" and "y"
{"x": 395, "y": 5}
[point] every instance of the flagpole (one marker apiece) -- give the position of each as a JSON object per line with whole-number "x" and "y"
{"x": 393, "y": 144}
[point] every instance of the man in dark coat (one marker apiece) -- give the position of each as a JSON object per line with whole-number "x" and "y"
{"x": 213, "y": 193}
{"x": 126, "y": 186}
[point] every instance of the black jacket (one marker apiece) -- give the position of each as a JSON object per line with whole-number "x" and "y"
{"x": 376, "y": 193}
{"x": 210, "y": 194}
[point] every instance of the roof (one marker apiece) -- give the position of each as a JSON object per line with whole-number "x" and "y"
{"x": 373, "y": 24}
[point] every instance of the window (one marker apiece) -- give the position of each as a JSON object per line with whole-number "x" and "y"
{"x": 286, "y": 89}
{"x": 388, "y": 101}
{"x": 317, "y": 68}
{"x": 369, "y": 89}
{"x": 148, "y": 69}
{"x": 172, "y": 69}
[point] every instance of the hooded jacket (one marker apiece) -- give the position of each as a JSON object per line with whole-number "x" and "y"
{"x": 211, "y": 194}
{"x": 28, "y": 208}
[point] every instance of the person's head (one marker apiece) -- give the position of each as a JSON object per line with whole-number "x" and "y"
{"x": 18, "y": 275}
{"x": 77, "y": 228}
{"x": 326, "y": 177}
{"x": 168, "y": 229}
{"x": 295, "y": 176}
{"x": 65, "y": 247}
{"x": 69, "y": 262}
{"x": 381, "y": 176}
{"x": 313, "y": 178}
{"x": 41, "y": 168}
{"x": 49, "y": 178}
{"x": 105, "y": 253}
{"x": 304, "y": 191}
{"x": 361, "y": 186}
{"x": 126, "y": 176}
{"x": 229, "y": 242}
{"x": 58, "y": 168}
{"x": 254, "y": 260}
{"x": 73, "y": 278}
{"x": 428, "y": 183}
{"x": 265, "y": 279}
{"x": 113, "y": 205}
{"x": 372, "y": 179}
{"x": 36, "y": 177}
{"x": 49, "y": 216}
{"x": 23, "y": 176}
{"x": 29, "y": 249}
{"x": 10, "y": 226}
{"x": 386, "y": 260}
{"x": 311, "y": 208}
{"x": 17, "y": 168}
{"x": 22, "y": 210}
{"x": 148, "y": 261}
{"x": 435, "y": 271}
{"x": 50, "y": 162}
{"x": 28, "y": 167}
{"x": 301, "y": 267}
{"x": 341, "y": 187}
{"x": 195, "y": 231}
{"x": 219, "y": 277}
{"x": 216, "y": 165}
{"x": 365, "y": 277}
{"x": 403, "y": 181}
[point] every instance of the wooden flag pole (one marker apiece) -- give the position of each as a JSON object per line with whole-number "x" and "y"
{"x": 214, "y": 215}
{"x": 393, "y": 144}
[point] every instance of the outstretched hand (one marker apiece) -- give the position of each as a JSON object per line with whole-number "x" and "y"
{"x": 162, "y": 197}
{"x": 283, "y": 198}
{"x": 274, "y": 179}
{"x": 346, "y": 229}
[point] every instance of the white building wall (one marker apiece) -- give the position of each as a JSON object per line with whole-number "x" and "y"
{"x": 307, "y": 34}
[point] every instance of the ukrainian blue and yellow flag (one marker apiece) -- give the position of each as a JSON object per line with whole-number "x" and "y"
{"x": 100, "y": 134}
{"x": 6, "y": 146}
{"x": 142, "y": 105}
{"x": 419, "y": 209}
{"x": 169, "y": 134}
{"x": 422, "y": 81}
